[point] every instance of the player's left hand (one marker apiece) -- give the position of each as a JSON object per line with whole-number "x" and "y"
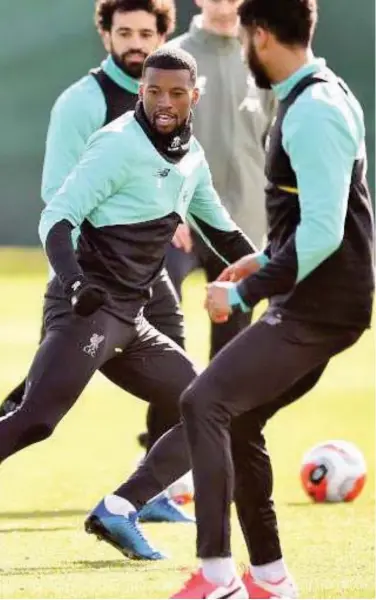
{"x": 217, "y": 302}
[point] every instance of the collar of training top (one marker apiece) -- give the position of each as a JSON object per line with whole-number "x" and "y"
{"x": 118, "y": 76}
{"x": 174, "y": 146}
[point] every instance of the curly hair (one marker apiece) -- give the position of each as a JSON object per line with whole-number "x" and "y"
{"x": 291, "y": 21}
{"x": 164, "y": 11}
{"x": 172, "y": 59}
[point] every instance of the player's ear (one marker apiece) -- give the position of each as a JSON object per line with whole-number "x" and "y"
{"x": 262, "y": 38}
{"x": 141, "y": 91}
{"x": 106, "y": 39}
{"x": 195, "y": 96}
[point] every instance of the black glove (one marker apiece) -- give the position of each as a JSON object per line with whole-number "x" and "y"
{"x": 86, "y": 297}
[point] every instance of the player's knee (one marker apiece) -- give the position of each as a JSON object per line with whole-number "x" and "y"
{"x": 197, "y": 401}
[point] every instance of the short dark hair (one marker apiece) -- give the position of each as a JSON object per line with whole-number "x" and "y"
{"x": 164, "y": 11}
{"x": 170, "y": 58}
{"x": 292, "y": 22}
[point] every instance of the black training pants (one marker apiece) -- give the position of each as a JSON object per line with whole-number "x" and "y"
{"x": 163, "y": 313}
{"x": 136, "y": 357}
{"x": 266, "y": 367}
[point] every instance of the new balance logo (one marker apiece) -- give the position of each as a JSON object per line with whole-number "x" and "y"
{"x": 162, "y": 173}
{"x": 92, "y": 348}
{"x": 175, "y": 144}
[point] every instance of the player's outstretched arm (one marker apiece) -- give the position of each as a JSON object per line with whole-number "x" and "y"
{"x": 101, "y": 170}
{"x": 212, "y": 221}
{"x": 85, "y": 297}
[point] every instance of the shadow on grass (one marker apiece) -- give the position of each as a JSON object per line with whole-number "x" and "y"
{"x": 44, "y": 514}
{"x": 34, "y": 529}
{"x": 80, "y": 566}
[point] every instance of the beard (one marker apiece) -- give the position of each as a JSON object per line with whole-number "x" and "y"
{"x": 125, "y": 63}
{"x": 258, "y": 70}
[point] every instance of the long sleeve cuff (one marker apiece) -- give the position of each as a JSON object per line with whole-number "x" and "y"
{"x": 262, "y": 259}
{"x": 61, "y": 254}
{"x": 235, "y": 300}
{"x": 234, "y": 297}
{"x": 278, "y": 276}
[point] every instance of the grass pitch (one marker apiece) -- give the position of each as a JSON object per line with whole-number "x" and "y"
{"x": 47, "y": 490}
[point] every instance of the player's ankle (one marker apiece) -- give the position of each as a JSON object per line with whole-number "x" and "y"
{"x": 220, "y": 571}
{"x": 118, "y": 505}
{"x": 273, "y": 572}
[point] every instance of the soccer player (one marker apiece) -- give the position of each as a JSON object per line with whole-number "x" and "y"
{"x": 137, "y": 179}
{"x": 130, "y": 30}
{"x": 316, "y": 272}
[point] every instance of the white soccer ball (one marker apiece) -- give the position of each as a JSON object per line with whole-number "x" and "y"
{"x": 333, "y": 471}
{"x": 182, "y": 490}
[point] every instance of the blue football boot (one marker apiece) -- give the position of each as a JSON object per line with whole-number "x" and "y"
{"x": 163, "y": 510}
{"x": 121, "y": 532}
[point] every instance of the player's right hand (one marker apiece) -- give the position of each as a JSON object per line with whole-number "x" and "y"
{"x": 245, "y": 266}
{"x": 182, "y": 238}
{"x": 85, "y": 297}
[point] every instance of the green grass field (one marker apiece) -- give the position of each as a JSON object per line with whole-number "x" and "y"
{"x": 47, "y": 490}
